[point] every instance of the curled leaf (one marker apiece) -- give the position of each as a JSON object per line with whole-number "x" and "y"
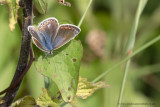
{"x": 46, "y": 100}
{"x": 27, "y": 101}
{"x": 13, "y": 9}
{"x": 86, "y": 88}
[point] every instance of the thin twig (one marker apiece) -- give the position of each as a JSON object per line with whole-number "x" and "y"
{"x": 23, "y": 74}
{"x": 24, "y": 52}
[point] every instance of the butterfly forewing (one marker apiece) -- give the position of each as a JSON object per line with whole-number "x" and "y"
{"x": 66, "y": 32}
{"x": 48, "y": 28}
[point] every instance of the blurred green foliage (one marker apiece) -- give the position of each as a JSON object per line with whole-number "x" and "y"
{"x": 114, "y": 18}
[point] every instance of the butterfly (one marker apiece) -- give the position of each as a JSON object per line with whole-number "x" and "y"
{"x": 49, "y": 35}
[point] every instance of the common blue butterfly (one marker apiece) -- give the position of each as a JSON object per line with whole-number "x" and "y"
{"x": 49, "y": 35}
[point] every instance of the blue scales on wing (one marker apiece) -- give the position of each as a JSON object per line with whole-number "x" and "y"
{"x": 44, "y": 33}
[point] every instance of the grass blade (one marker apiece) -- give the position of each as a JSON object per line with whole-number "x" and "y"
{"x": 130, "y": 45}
{"x": 82, "y": 18}
{"x": 148, "y": 44}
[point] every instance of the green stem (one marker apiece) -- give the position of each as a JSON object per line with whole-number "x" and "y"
{"x": 123, "y": 82}
{"x": 82, "y": 18}
{"x": 128, "y": 57}
{"x": 130, "y": 45}
{"x": 131, "y": 39}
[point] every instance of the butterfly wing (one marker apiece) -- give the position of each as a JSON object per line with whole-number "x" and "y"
{"x": 37, "y": 39}
{"x": 48, "y": 28}
{"x": 66, "y": 32}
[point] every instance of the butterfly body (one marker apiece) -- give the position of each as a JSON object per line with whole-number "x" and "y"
{"x": 49, "y": 36}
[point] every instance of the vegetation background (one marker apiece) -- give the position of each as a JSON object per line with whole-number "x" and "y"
{"x": 111, "y": 20}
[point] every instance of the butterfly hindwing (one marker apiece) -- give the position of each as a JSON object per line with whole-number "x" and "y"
{"x": 37, "y": 39}
{"x": 34, "y": 33}
{"x": 39, "y": 45}
{"x": 66, "y": 32}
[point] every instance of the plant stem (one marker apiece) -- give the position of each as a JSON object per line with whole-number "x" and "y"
{"x": 148, "y": 44}
{"x": 84, "y": 14}
{"x": 132, "y": 36}
{"x": 130, "y": 46}
{"x": 22, "y": 75}
{"x": 24, "y": 52}
{"x": 123, "y": 82}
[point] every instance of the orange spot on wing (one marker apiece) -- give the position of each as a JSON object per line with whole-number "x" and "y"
{"x": 66, "y": 27}
{"x": 70, "y": 28}
{"x": 35, "y": 41}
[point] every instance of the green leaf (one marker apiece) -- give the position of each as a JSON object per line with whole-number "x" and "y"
{"x": 86, "y": 88}
{"x": 41, "y": 6}
{"x": 63, "y": 69}
{"x": 46, "y": 99}
{"x": 27, "y": 101}
{"x": 13, "y": 9}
